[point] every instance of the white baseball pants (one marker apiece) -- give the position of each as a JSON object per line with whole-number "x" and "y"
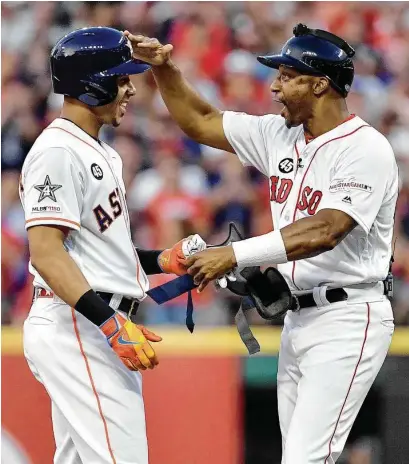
{"x": 329, "y": 358}
{"x": 97, "y": 406}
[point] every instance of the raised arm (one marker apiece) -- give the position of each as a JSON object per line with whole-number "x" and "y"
{"x": 195, "y": 116}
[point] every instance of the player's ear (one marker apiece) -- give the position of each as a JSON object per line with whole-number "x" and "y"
{"x": 320, "y": 85}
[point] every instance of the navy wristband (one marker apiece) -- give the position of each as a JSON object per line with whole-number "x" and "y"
{"x": 94, "y": 308}
{"x": 149, "y": 261}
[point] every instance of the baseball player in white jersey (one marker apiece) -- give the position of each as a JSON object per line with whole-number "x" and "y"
{"x": 333, "y": 190}
{"x": 88, "y": 277}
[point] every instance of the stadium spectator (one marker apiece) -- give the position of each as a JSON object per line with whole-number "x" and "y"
{"x": 175, "y": 186}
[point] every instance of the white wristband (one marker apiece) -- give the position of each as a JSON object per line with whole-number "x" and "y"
{"x": 264, "y": 249}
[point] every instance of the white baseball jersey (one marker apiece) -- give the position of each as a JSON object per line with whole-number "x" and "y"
{"x": 351, "y": 168}
{"x": 70, "y": 179}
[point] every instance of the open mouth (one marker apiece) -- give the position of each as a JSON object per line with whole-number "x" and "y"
{"x": 284, "y": 110}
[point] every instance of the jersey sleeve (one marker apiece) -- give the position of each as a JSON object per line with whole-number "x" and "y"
{"x": 51, "y": 189}
{"x": 362, "y": 180}
{"x": 245, "y": 134}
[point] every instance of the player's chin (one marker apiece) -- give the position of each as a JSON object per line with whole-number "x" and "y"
{"x": 291, "y": 122}
{"x": 119, "y": 114}
{"x": 287, "y": 117}
{"x": 116, "y": 122}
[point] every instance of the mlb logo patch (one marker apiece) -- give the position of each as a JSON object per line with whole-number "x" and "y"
{"x": 46, "y": 209}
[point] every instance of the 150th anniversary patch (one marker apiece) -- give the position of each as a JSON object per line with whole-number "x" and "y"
{"x": 348, "y": 184}
{"x": 46, "y": 209}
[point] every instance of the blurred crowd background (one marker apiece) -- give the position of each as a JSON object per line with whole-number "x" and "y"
{"x": 174, "y": 185}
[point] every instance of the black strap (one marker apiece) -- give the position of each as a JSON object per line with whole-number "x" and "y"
{"x": 127, "y": 305}
{"x": 302, "y": 29}
{"x": 303, "y": 301}
{"x": 189, "y": 312}
{"x": 388, "y": 282}
{"x": 333, "y": 295}
{"x": 243, "y": 327}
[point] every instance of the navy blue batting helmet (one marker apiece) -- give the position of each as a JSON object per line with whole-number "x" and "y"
{"x": 317, "y": 52}
{"x": 86, "y": 62}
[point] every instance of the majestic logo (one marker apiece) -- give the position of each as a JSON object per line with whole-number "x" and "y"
{"x": 47, "y": 190}
{"x": 286, "y": 165}
{"x": 347, "y": 199}
{"x": 97, "y": 171}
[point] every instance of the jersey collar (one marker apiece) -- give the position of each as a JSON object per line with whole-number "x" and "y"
{"x": 310, "y": 138}
{"x": 72, "y": 128}
{"x": 350, "y": 124}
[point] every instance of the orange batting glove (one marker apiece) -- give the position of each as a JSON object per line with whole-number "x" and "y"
{"x": 168, "y": 259}
{"x": 131, "y": 342}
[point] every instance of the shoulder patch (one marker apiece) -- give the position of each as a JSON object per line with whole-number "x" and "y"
{"x": 347, "y": 185}
{"x": 47, "y": 189}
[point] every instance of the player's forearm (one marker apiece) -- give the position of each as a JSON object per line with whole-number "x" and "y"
{"x": 65, "y": 279}
{"x": 309, "y": 237}
{"x": 61, "y": 274}
{"x": 305, "y": 238}
{"x": 185, "y": 105}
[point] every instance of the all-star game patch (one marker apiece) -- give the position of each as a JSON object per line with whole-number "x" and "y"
{"x": 348, "y": 185}
{"x": 47, "y": 189}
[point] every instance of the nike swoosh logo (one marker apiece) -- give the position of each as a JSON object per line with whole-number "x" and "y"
{"x": 121, "y": 341}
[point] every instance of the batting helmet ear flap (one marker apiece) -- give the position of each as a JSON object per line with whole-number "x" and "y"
{"x": 99, "y": 94}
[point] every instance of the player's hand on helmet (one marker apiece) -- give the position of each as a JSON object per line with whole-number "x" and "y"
{"x": 149, "y": 49}
{"x": 168, "y": 260}
{"x": 131, "y": 342}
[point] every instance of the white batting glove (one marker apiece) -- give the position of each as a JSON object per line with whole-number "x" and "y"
{"x": 222, "y": 282}
{"x": 193, "y": 244}
{"x": 168, "y": 260}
